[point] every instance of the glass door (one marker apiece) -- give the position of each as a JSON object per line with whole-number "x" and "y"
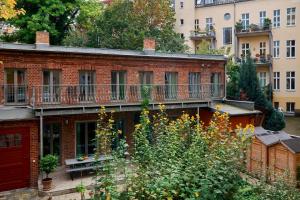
{"x": 15, "y": 86}
{"x": 85, "y": 138}
{"x": 51, "y": 139}
{"x": 215, "y": 84}
{"x": 171, "y": 85}
{"x": 51, "y": 86}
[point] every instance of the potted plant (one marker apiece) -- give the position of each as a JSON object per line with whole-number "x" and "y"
{"x": 254, "y": 27}
{"x": 81, "y": 189}
{"x": 267, "y": 24}
{"x": 48, "y": 164}
{"x": 238, "y": 26}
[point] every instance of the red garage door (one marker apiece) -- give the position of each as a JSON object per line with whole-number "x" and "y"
{"x": 14, "y": 158}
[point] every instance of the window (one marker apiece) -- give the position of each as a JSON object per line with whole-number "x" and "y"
{"x": 245, "y": 21}
{"x": 262, "y": 17}
{"x": 171, "y": 80}
{"x": 15, "y": 86}
{"x": 51, "y": 86}
{"x": 276, "y": 18}
{"x": 276, "y": 50}
{"x": 85, "y": 138}
{"x": 181, "y": 4}
{"x": 245, "y": 49}
{"x": 182, "y": 36}
{"x": 181, "y": 22}
{"x": 290, "y": 48}
{"x": 291, "y": 16}
{"x": 209, "y": 1}
{"x": 262, "y": 77}
{"x": 290, "y": 81}
{"x": 146, "y": 81}
{"x": 209, "y": 24}
{"x": 87, "y": 85}
{"x": 262, "y": 49}
{"x": 51, "y": 139}
{"x": 227, "y": 16}
{"x": 118, "y": 85}
{"x": 215, "y": 80}
{"x": 290, "y": 107}
{"x": 276, "y": 85}
{"x": 227, "y": 35}
{"x": 194, "y": 85}
{"x": 10, "y": 140}
{"x": 196, "y": 24}
{"x": 276, "y": 105}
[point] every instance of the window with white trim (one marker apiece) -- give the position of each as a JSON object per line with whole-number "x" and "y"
{"x": 245, "y": 21}
{"x": 245, "y": 49}
{"x": 291, "y": 48}
{"x": 276, "y": 49}
{"x": 262, "y": 17}
{"x": 181, "y": 4}
{"x": 209, "y": 24}
{"x": 276, "y": 18}
{"x": 262, "y": 49}
{"x": 276, "y": 78}
{"x": 227, "y": 35}
{"x": 290, "y": 107}
{"x": 291, "y": 17}
{"x": 181, "y": 22}
{"x": 196, "y": 24}
{"x": 290, "y": 80}
{"x": 262, "y": 77}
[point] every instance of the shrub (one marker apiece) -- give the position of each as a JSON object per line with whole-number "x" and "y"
{"x": 48, "y": 164}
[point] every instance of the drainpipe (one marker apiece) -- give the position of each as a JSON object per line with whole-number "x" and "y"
{"x": 41, "y": 134}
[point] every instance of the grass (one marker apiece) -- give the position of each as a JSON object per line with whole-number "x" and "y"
{"x": 292, "y": 125}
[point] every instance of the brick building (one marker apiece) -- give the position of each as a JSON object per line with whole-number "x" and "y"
{"x": 50, "y": 96}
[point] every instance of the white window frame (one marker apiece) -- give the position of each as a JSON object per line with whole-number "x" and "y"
{"x": 181, "y": 22}
{"x": 181, "y": 4}
{"x": 290, "y": 107}
{"x": 208, "y": 23}
{"x": 262, "y": 17}
{"x": 290, "y": 46}
{"x": 246, "y": 21}
{"x": 276, "y": 78}
{"x": 276, "y": 18}
{"x": 196, "y": 24}
{"x": 291, "y": 16}
{"x": 224, "y": 31}
{"x": 291, "y": 81}
{"x": 276, "y": 49}
{"x": 263, "y": 49}
{"x": 262, "y": 77}
{"x": 245, "y": 49}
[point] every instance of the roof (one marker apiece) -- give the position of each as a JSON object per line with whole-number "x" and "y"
{"x": 8, "y": 113}
{"x": 292, "y": 144}
{"x": 233, "y": 110}
{"x": 270, "y": 137}
{"x": 102, "y": 51}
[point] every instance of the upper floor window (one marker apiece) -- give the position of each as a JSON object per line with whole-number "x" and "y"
{"x": 290, "y": 48}
{"x": 181, "y": 4}
{"x": 276, "y": 85}
{"x": 182, "y": 36}
{"x": 245, "y": 49}
{"x": 87, "y": 80}
{"x": 171, "y": 81}
{"x": 245, "y": 21}
{"x": 291, "y": 17}
{"x": 15, "y": 86}
{"x": 290, "y": 80}
{"x": 209, "y": 24}
{"x": 262, "y": 49}
{"x": 262, "y": 77}
{"x": 194, "y": 85}
{"x": 146, "y": 81}
{"x": 276, "y": 50}
{"x": 196, "y": 24}
{"x": 227, "y": 16}
{"x": 227, "y": 35}
{"x": 118, "y": 85}
{"x": 51, "y": 86}
{"x": 276, "y": 18}
{"x": 181, "y": 21}
{"x": 262, "y": 17}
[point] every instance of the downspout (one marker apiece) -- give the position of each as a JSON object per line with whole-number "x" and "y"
{"x": 41, "y": 134}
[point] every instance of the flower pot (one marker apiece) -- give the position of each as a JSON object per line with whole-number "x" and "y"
{"x": 47, "y": 184}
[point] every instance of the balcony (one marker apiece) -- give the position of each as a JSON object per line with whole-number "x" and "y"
{"x": 259, "y": 61}
{"x": 206, "y": 3}
{"x": 14, "y": 94}
{"x": 77, "y": 95}
{"x": 253, "y": 30}
{"x": 199, "y": 35}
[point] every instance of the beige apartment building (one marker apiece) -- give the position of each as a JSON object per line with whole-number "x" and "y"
{"x": 244, "y": 26}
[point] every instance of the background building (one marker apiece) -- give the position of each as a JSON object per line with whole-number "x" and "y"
{"x": 273, "y": 46}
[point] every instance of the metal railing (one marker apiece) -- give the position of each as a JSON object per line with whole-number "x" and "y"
{"x": 122, "y": 94}
{"x": 202, "y": 34}
{"x": 259, "y": 60}
{"x": 14, "y": 94}
{"x": 254, "y": 28}
{"x": 204, "y": 3}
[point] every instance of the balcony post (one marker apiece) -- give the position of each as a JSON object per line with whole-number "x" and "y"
{"x": 33, "y": 97}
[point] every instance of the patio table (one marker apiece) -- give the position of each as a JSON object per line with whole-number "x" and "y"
{"x": 74, "y": 165}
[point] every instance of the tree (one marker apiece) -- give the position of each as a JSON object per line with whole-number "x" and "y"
{"x": 8, "y": 10}
{"x": 54, "y": 16}
{"x": 204, "y": 48}
{"x": 124, "y": 24}
{"x": 233, "y": 73}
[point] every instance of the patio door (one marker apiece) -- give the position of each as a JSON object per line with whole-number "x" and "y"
{"x": 87, "y": 85}
{"x": 15, "y": 86}
{"x": 85, "y": 138}
{"x": 51, "y": 90}
{"x": 51, "y": 139}
{"x": 171, "y": 87}
{"x": 215, "y": 84}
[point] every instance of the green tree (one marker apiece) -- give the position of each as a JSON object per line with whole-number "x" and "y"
{"x": 54, "y": 16}
{"x": 233, "y": 73}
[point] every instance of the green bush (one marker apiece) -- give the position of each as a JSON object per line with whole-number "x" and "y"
{"x": 48, "y": 164}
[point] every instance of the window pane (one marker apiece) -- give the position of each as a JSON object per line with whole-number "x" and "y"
{"x": 80, "y": 139}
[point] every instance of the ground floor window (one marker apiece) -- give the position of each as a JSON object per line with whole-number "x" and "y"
{"x": 290, "y": 107}
{"x": 276, "y": 105}
{"x": 51, "y": 139}
{"x": 85, "y": 138}
{"x": 262, "y": 77}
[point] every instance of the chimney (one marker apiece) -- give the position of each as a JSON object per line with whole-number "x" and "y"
{"x": 42, "y": 39}
{"x": 149, "y": 46}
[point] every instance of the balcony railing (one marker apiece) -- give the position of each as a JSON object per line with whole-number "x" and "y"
{"x": 252, "y": 29}
{"x": 203, "y": 3}
{"x": 202, "y": 34}
{"x": 122, "y": 94}
{"x": 259, "y": 60}
{"x": 14, "y": 94}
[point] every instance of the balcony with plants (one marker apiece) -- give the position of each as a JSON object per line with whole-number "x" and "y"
{"x": 258, "y": 60}
{"x": 198, "y": 34}
{"x": 253, "y": 29}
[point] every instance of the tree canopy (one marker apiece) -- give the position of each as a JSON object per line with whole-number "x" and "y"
{"x": 8, "y": 10}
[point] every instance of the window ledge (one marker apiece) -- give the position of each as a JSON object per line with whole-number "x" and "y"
{"x": 291, "y": 26}
{"x": 276, "y": 90}
{"x": 291, "y": 58}
{"x": 290, "y": 90}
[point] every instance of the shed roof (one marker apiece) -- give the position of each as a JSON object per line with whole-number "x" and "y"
{"x": 233, "y": 110}
{"x": 8, "y": 113}
{"x": 103, "y": 51}
{"x": 270, "y": 137}
{"x": 292, "y": 144}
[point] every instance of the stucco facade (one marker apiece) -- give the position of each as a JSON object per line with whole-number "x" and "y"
{"x": 225, "y": 14}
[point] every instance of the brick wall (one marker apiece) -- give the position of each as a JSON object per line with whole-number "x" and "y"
{"x": 34, "y": 146}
